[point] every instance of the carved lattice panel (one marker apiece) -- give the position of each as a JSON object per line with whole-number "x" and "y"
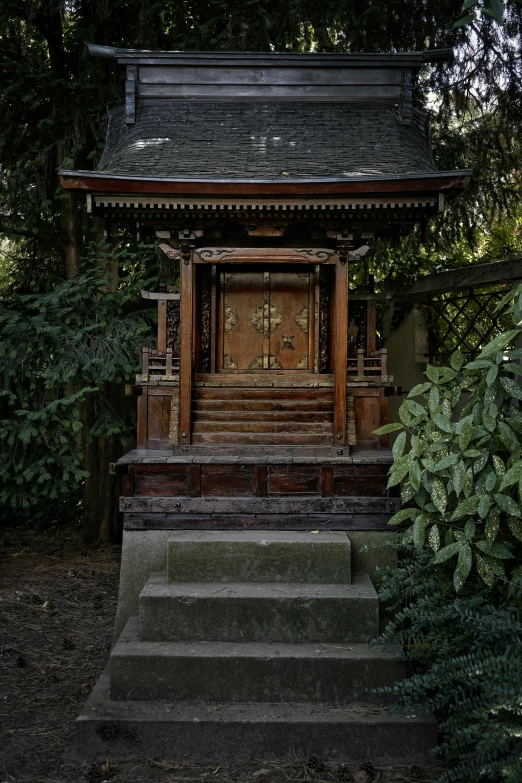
{"x": 465, "y": 319}
{"x": 173, "y": 326}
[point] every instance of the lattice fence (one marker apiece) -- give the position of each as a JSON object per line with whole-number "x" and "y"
{"x": 464, "y": 318}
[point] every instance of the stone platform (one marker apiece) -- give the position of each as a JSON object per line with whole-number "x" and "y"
{"x": 252, "y": 645}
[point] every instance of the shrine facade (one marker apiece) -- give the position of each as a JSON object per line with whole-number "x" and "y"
{"x": 264, "y": 177}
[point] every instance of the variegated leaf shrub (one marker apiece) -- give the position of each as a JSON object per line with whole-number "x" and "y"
{"x": 458, "y": 460}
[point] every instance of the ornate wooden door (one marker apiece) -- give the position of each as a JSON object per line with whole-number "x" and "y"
{"x": 265, "y": 319}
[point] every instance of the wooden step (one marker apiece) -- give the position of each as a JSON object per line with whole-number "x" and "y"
{"x": 262, "y": 438}
{"x": 260, "y": 426}
{"x": 261, "y": 415}
{"x": 207, "y": 393}
{"x": 267, "y": 405}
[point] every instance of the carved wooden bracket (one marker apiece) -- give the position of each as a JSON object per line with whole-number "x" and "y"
{"x": 262, "y": 255}
{"x": 170, "y": 252}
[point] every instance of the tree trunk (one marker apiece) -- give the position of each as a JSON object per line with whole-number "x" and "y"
{"x": 102, "y": 489}
{"x": 72, "y": 232}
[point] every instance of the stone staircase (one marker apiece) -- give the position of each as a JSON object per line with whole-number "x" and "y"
{"x": 252, "y": 645}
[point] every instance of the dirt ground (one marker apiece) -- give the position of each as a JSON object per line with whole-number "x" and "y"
{"x": 57, "y": 607}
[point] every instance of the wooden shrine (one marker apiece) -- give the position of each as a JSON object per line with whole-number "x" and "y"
{"x": 264, "y": 176}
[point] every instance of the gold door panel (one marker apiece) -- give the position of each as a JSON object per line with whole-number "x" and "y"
{"x": 264, "y": 320}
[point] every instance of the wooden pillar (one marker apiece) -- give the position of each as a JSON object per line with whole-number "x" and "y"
{"x": 371, "y": 327}
{"x": 341, "y": 346}
{"x": 162, "y": 325}
{"x": 185, "y": 359}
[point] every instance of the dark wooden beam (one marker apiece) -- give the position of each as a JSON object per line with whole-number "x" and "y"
{"x": 185, "y": 359}
{"x": 448, "y": 182}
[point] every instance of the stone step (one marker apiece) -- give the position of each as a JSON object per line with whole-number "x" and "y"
{"x": 259, "y": 556}
{"x": 250, "y": 612}
{"x": 231, "y": 733}
{"x": 217, "y": 671}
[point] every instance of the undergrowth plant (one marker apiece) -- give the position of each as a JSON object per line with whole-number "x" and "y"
{"x": 465, "y": 652}
{"x": 461, "y": 477}
{"x": 457, "y": 592}
{"x": 61, "y": 351}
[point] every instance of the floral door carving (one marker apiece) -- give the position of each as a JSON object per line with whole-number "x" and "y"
{"x": 264, "y": 320}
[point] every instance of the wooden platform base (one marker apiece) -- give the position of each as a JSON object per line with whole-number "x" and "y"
{"x": 286, "y": 488}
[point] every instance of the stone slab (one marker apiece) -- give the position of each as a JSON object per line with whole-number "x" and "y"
{"x": 250, "y": 612}
{"x": 236, "y": 672}
{"x": 230, "y": 733}
{"x": 256, "y": 556}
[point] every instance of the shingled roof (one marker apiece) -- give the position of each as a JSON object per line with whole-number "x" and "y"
{"x": 268, "y": 140}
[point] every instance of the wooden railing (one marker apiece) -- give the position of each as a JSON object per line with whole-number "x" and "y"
{"x": 158, "y": 364}
{"x": 372, "y": 366}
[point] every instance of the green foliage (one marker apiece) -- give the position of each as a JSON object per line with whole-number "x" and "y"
{"x": 62, "y": 350}
{"x": 462, "y": 475}
{"x": 471, "y": 9}
{"x": 466, "y": 656}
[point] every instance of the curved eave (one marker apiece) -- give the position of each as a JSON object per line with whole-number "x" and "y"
{"x": 448, "y": 182}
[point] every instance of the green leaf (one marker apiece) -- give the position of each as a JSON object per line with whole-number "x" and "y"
{"x": 495, "y": 550}
{"x": 498, "y": 465}
{"x": 515, "y": 526}
{"x": 415, "y": 408}
{"x": 439, "y": 495}
{"x": 470, "y": 529}
{"x": 463, "y": 21}
{"x": 491, "y": 481}
{"x": 494, "y": 9}
{"x": 388, "y": 428}
{"x": 484, "y": 506}
{"x": 419, "y": 529}
{"x": 404, "y": 415}
{"x": 512, "y": 476}
{"x": 480, "y": 463}
{"x": 458, "y": 579}
{"x": 419, "y": 389}
{"x": 459, "y": 477}
{"x": 507, "y": 504}
{"x": 434, "y": 538}
{"x": 399, "y": 445}
{"x": 445, "y": 462}
{"x": 465, "y": 560}
{"x": 407, "y": 491}
{"x": 511, "y": 387}
{"x": 446, "y": 552}
{"x": 402, "y": 516}
{"x": 433, "y": 399}
{"x": 457, "y": 358}
{"x": 498, "y": 343}
{"x": 485, "y": 571}
{"x": 432, "y": 373}
{"x": 466, "y": 508}
{"x": 468, "y": 4}
{"x": 442, "y": 422}
{"x": 417, "y": 446}
{"x": 478, "y": 364}
{"x": 514, "y": 368}
{"x": 398, "y": 471}
{"x": 415, "y": 474}
{"x": 491, "y": 377}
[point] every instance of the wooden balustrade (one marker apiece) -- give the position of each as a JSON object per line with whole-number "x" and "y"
{"x": 159, "y": 364}
{"x": 373, "y": 365}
